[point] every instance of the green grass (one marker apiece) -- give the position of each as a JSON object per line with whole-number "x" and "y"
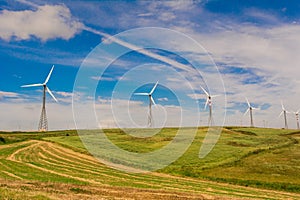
{"x": 13, "y": 137}
{"x": 264, "y": 158}
{"x": 245, "y": 156}
{"x": 275, "y": 167}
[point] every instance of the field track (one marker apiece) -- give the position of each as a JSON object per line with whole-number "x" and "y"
{"x": 38, "y": 168}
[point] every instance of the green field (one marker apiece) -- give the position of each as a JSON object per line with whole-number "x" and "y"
{"x": 250, "y": 163}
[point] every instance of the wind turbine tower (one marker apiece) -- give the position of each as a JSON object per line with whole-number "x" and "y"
{"x": 43, "y": 123}
{"x": 209, "y": 103}
{"x": 284, "y": 111}
{"x": 250, "y": 109}
{"x": 297, "y": 118}
{"x": 151, "y": 102}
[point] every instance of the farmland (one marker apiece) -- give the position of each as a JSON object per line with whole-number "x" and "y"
{"x": 246, "y": 163}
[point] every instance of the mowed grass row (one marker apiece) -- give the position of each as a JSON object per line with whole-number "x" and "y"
{"x": 246, "y": 156}
{"x": 35, "y": 162}
{"x": 48, "y": 162}
{"x": 38, "y": 160}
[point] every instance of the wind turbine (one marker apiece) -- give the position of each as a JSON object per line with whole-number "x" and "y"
{"x": 43, "y": 123}
{"x": 284, "y": 111}
{"x": 297, "y": 117}
{"x": 209, "y": 103}
{"x": 250, "y": 109}
{"x": 151, "y": 102}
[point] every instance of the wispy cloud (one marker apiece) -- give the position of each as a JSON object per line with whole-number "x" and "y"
{"x": 163, "y": 99}
{"x": 8, "y": 94}
{"x": 64, "y": 94}
{"x": 257, "y": 42}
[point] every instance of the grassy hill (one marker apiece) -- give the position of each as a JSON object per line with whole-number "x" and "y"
{"x": 266, "y": 162}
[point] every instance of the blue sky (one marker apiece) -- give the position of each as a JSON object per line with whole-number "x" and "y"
{"x": 254, "y": 44}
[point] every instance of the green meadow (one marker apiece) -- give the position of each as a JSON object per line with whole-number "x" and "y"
{"x": 250, "y": 163}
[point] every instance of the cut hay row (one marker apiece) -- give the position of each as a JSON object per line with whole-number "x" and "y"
{"x": 46, "y": 161}
{"x": 62, "y": 169}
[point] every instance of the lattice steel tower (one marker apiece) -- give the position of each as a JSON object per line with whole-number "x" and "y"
{"x": 43, "y": 123}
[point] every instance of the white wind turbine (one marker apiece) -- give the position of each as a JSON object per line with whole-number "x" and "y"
{"x": 43, "y": 123}
{"x": 151, "y": 102}
{"x": 250, "y": 109}
{"x": 284, "y": 112}
{"x": 297, "y": 118}
{"x": 209, "y": 103}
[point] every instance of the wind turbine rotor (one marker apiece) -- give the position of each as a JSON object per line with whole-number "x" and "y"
{"x": 280, "y": 114}
{"x": 152, "y": 100}
{"x": 282, "y": 106}
{"x": 247, "y": 111}
{"x": 249, "y": 105}
{"x": 48, "y": 77}
{"x": 49, "y": 91}
{"x": 33, "y": 85}
{"x": 142, "y": 94}
{"x": 207, "y": 94}
{"x": 207, "y": 101}
{"x": 217, "y": 95}
{"x": 151, "y": 92}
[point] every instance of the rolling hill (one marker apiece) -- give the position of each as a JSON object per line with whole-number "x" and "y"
{"x": 249, "y": 163}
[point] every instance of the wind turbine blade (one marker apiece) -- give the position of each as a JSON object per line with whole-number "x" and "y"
{"x": 154, "y": 88}
{"x": 33, "y": 85}
{"x": 282, "y": 106}
{"x": 152, "y": 100}
{"x": 212, "y": 96}
{"x": 206, "y": 103}
{"x": 144, "y": 94}
{"x": 48, "y": 77}
{"x": 204, "y": 91}
{"x": 280, "y": 114}
{"x": 248, "y": 102}
{"x": 49, "y": 91}
{"x": 247, "y": 111}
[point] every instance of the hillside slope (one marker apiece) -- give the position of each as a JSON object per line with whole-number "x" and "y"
{"x": 38, "y": 169}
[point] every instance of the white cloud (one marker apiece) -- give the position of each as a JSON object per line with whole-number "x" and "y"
{"x": 102, "y": 78}
{"x": 122, "y": 113}
{"x": 179, "y": 5}
{"x": 269, "y": 57}
{"x": 46, "y": 22}
{"x": 270, "y": 53}
{"x": 197, "y": 96}
{"x": 268, "y": 49}
{"x": 260, "y": 15}
{"x": 64, "y": 94}
{"x": 163, "y": 99}
{"x": 8, "y": 94}
{"x": 167, "y": 16}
